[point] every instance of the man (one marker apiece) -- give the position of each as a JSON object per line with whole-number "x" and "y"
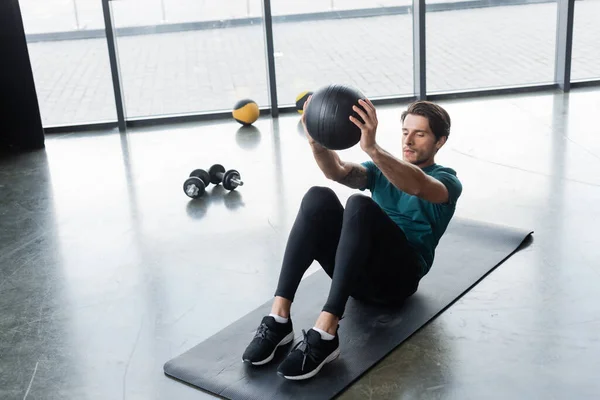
{"x": 375, "y": 249}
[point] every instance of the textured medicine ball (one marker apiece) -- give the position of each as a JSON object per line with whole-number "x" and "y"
{"x": 246, "y": 112}
{"x": 328, "y": 116}
{"x": 300, "y": 100}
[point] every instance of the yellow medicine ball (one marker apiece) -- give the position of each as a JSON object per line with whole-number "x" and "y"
{"x": 300, "y": 100}
{"x": 246, "y": 112}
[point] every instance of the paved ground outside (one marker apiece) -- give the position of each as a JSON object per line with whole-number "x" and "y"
{"x": 211, "y": 69}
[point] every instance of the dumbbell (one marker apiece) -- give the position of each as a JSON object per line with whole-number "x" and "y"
{"x": 229, "y": 179}
{"x": 196, "y": 184}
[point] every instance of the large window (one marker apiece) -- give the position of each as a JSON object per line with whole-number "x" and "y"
{"x": 586, "y": 40}
{"x": 72, "y": 76}
{"x": 473, "y": 48}
{"x": 192, "y": 67}
{"x": 193, "y": 57}
{"x": 372, "y": 53}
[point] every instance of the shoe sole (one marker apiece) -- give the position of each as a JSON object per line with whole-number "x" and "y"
{"x": 283, "y": 342}
{"x": 329, "y": 359}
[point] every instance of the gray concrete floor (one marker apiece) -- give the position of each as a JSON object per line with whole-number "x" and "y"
{"x": 211, "y": 70}
{"x": 107, "y": 270}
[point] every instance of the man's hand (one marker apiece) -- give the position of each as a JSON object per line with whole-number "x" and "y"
{"x": 311, "y": 141}
{"x": 368, "y": 129}
{"x": 316, "y": 147}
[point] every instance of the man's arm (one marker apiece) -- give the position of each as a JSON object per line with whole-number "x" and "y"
{"x": 408, "y": 177}
{"x": 347, "y": 173}
{"x": 405, "y": 176}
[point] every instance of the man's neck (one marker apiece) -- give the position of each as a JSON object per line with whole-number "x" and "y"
{"x": 426, "y": 164}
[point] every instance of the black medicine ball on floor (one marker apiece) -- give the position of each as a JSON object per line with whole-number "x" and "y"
{"x": 328, "y": 116}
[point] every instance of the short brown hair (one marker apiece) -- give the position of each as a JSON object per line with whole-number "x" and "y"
{"x": 439, "y": 120}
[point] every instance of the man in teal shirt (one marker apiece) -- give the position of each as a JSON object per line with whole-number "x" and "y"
{"x": 376, "y": 248}
{"x": 423, "y": 222}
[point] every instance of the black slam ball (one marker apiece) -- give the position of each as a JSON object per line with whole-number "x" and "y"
{"x": 328, "y": 116}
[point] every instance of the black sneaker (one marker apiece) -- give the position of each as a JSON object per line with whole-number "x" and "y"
{"x": 269, "y": 336}
{"x": 307, "y": 362}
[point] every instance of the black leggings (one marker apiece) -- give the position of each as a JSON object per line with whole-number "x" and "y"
{"x": 359, "y": 244}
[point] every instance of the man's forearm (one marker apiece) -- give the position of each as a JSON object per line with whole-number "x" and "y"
{"x": 327, "y": 160}
{"x": 405, "y": 176}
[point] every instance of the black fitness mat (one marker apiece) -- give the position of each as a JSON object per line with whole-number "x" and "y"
{"x": 467, "y": 252}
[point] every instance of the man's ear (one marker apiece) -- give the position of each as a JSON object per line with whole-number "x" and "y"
{"x": 441, "y": 141}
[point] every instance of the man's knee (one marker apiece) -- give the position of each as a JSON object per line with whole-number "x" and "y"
{"x": 318, "y": 199}
{"x": 360, "y": 202}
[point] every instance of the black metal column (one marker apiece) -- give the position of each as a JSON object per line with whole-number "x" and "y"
{"x": 270, "y": 49}
{"x": 419, "y": 50}
{"x": 564, "y": 43}
{"x": 114, "y": 65}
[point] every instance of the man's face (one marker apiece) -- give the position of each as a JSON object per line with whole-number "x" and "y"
{"x": 418, "y": 141}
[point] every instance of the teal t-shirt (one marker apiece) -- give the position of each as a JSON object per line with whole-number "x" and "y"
{"x": 423, "y": 222}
